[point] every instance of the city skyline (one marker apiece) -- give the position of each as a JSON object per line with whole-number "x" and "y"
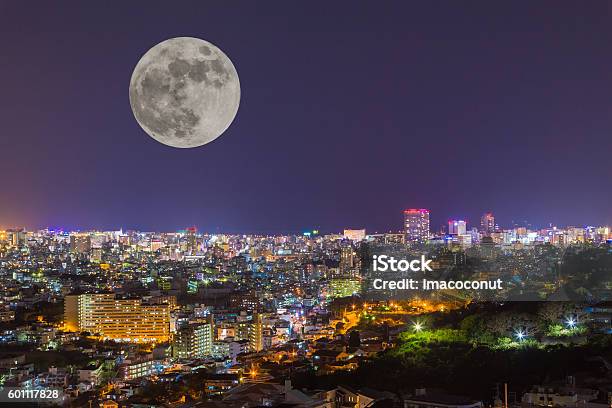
{"x": 423, "y": 230}
{"x": 146, "y": 317}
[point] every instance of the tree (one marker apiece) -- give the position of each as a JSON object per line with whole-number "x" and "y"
{"x": 476, "y": 329}
{"x": 551, "y": 312}
{"x": 354, "y": 340}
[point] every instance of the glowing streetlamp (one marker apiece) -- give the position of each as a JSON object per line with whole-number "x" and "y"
{"x": 417, "y": 326}
{"x": 252, "y": 372}
{"x": 571, "y": 323}
{"x": 520, "y": 335}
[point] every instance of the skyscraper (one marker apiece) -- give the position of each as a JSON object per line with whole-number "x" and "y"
{"x": 457, "y": 227}
{"x": 347, "y": 260}
{"x": 252, "y": 330}
{"x": 193, "y": 341}
{"x": 416, "y": 225}
{"x": 487, "y": 223}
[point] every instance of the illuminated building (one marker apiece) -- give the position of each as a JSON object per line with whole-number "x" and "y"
{"x": 164, "y": 282}
{"x": 457, "y": 227}
{"x": 575, "y": 234}
{"x": 487, "y": 223}
{"x": 156, "y": 245}
{"x": 220, "y": 349}
{"x": 191, "y": 239}
{"x": 355, "y": 235}
{"x": 344, "y": 287}
{"x": 347, "y": 260}
{"x": 96, "y": 254}
{"x": 465, "y": 240}
{"x": 144, "y": 367}
{"x": 97, "y": 240}
{"x": 224, "y": 331}
{"x": 125, "y": 240}
{"x": 15, "y": 237}
{"x": 7, "y": 315}
{"x": 80, "y": 243}
{"x": 252, "y": 331}
{"x": 193, "y": 341}
{"x": 256, "y": 333}
{"x": 117, "y": 319}
{"x": 416, "y": 225}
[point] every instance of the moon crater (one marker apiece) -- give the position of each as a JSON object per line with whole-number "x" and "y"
{"x": 184, "y": 92}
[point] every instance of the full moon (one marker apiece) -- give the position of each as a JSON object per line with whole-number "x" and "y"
{"x": 184, "y": 92}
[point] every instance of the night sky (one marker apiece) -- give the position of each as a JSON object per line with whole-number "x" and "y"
{"x": 350, "y": 112}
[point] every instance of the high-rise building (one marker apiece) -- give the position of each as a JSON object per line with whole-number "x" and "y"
{"x": 457, "y": 227}
{"x": 129, "y": 320}
{"x": 16, "y": 237}
{"x": 416, "y": 225}
{"x": 487, "y": 223}
{"x": 347, "y": 260}
{"x": 71, "y": 313}
{"x": 193, "y": 341}
{"x": 256, "y": 333}
{"x": 252, "y": 331}
{"x": 191, "y": 239}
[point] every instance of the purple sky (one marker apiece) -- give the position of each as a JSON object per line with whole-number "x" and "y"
{"x": 349, "y": 113}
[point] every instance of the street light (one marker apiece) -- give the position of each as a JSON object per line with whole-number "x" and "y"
{"x": 418, "y": 326}
{"x": 571, "y": 323}
{"x": 520, "y": 335}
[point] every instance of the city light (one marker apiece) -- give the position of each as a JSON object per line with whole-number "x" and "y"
{"x": 423, "y": 245}
{"x": 193, "y": 331}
